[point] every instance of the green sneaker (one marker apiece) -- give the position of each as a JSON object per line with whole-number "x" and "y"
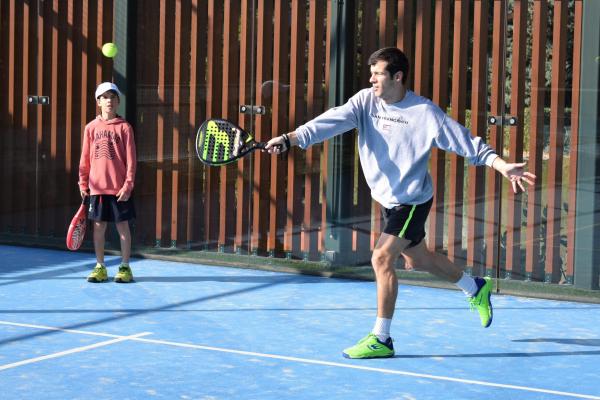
{"x": 482, "y": 301}
{"x": 98, "y": 275}
{"x": 370, "y": 347}
{"x": 124, "y": 275}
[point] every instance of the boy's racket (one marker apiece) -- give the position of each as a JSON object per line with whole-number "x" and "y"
{"x": 220, "y": 142}
{"x": 78, "y": 225}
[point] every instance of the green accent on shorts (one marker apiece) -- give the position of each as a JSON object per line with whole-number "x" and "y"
{"x": 405, "y": 227}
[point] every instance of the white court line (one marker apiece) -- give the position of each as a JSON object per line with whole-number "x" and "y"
{"x": 360, "y": 367}
{"x": 72, "y": 351}
{"x": 52, "y": 328}
{"x": 317, "y": 362}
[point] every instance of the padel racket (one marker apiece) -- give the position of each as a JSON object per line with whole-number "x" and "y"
{"x": 78, "y": 225}
{"x": 220, "y": 142}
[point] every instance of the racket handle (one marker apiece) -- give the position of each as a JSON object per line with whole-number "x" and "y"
{"x": 261, "y": 145}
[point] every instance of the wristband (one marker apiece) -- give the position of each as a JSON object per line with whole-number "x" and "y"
{"x": 286, "y": 140}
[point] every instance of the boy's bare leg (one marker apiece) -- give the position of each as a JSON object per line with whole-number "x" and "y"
{"x": 99, "y": 231}
{"x": 125, "y": 238}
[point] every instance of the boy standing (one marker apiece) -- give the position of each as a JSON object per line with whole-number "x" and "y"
{"x": 107, "y": 174}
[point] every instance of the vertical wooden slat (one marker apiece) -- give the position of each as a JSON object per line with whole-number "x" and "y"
{"x": 493, "y": 223}
{"x": 327, "y": 13}
{"x": 476, "y": 188}
{"x": 261, "y": 172}
{"x": 4, "y": 115}
{"x": 42, "y": 117}
{"x": 386, "y": 22}
{"x": 574, "y": 150}
{"x": 517, "y": 96}
{"x": 185, "y": 129}
{"x": 177, "y": 109}
{"x": 84, "y": 94}
{"x": 368, "y": 46}
{"x": 15, "y": 131}
{"x": 536, "y": 139}
{"x": 146, "y": 122}
{"x": 55, "y": 102}
{"x": 280, "y": 122}
{"x": 459, "y": 97}
{"x": 192, "y": 112}
{"x": 8, "y": 160}
{"x": 296, "y": 117}
{"x": 160, "y": 123}
{"x": 164, "y": 123}
{"x": 63, "y": 163}
{"x": 99, "y": 28}
{"x": 435, "y": 238}
{"x": 169, "y": 118}
{"x": 422, "y": 62}
{"x": 229, "y": 110}
{"x": 364, "y": 235}
{"x": 198, "y": 45}
{"x": 69, "y": 95}
{"x": 557, "y": 114}
{"x": 404, "y": 37}
{"x": 242, "y": 183}
{"x": 24, "y": 221}
{"x": 309, "y": 236}
{"x": 214, "y": 79}
{"x": 75, "y": 101}
{"x": 29, "y": 117}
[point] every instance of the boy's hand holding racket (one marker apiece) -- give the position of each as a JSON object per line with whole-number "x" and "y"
{"x": 78, "y": 224}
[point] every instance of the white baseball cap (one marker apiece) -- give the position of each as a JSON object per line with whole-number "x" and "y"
{"x": 105, "y": 87}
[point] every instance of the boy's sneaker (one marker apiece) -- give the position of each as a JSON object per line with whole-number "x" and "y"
{"x": 124, "y": 275}
{"x": 99, "y": 274}
{"x": 370, "y": 347}
{"x": 482, "y": 301}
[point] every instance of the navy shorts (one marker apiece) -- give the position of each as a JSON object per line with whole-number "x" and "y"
{"x": 407, "y": 221}
{"x": 105, "y": 207}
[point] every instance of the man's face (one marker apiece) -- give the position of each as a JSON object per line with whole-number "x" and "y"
{"x": 384, "y": 86}
{"x": 108, "y": 102}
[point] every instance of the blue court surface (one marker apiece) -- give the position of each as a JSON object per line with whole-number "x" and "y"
{"x": 187, "y": 331}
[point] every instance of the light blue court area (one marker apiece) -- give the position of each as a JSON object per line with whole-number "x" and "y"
{"x": 186, "y": 331}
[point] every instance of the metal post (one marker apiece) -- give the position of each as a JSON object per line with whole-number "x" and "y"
{"x": 338, "y": 234}
{"x": 587, "y": 217}
{"x": 124, "y": 62}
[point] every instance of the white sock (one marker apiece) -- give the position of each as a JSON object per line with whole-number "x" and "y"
{"x": 467, "y": 284}
{"x": 382, "y": 328}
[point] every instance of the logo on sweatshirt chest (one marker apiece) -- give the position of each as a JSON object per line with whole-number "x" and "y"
{"x": 388, "y": 124}
{"x": 105, "y": 143}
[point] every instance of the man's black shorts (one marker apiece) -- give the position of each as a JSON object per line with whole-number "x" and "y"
{"x": 407, "y": 221}
{"x": 105, "y": 207}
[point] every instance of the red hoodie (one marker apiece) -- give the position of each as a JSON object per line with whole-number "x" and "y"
{"x": 108, "y": 158}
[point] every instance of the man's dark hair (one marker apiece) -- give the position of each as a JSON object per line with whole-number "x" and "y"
{"x": 395, "y": 58}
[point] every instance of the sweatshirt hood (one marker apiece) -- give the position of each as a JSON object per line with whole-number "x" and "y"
{"x": 116, "y": 120}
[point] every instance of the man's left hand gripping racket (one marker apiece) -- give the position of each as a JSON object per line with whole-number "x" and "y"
{"x": 78, "y": 225}
{"x": 220, "y": 142}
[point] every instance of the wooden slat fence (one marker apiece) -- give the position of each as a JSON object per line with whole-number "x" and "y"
{"x": 198, "y": 59}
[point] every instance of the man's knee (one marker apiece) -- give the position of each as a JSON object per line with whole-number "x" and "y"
{"x": 382, "y": 259}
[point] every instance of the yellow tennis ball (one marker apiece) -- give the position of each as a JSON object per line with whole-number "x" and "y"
{"x": 109, "y": 50}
